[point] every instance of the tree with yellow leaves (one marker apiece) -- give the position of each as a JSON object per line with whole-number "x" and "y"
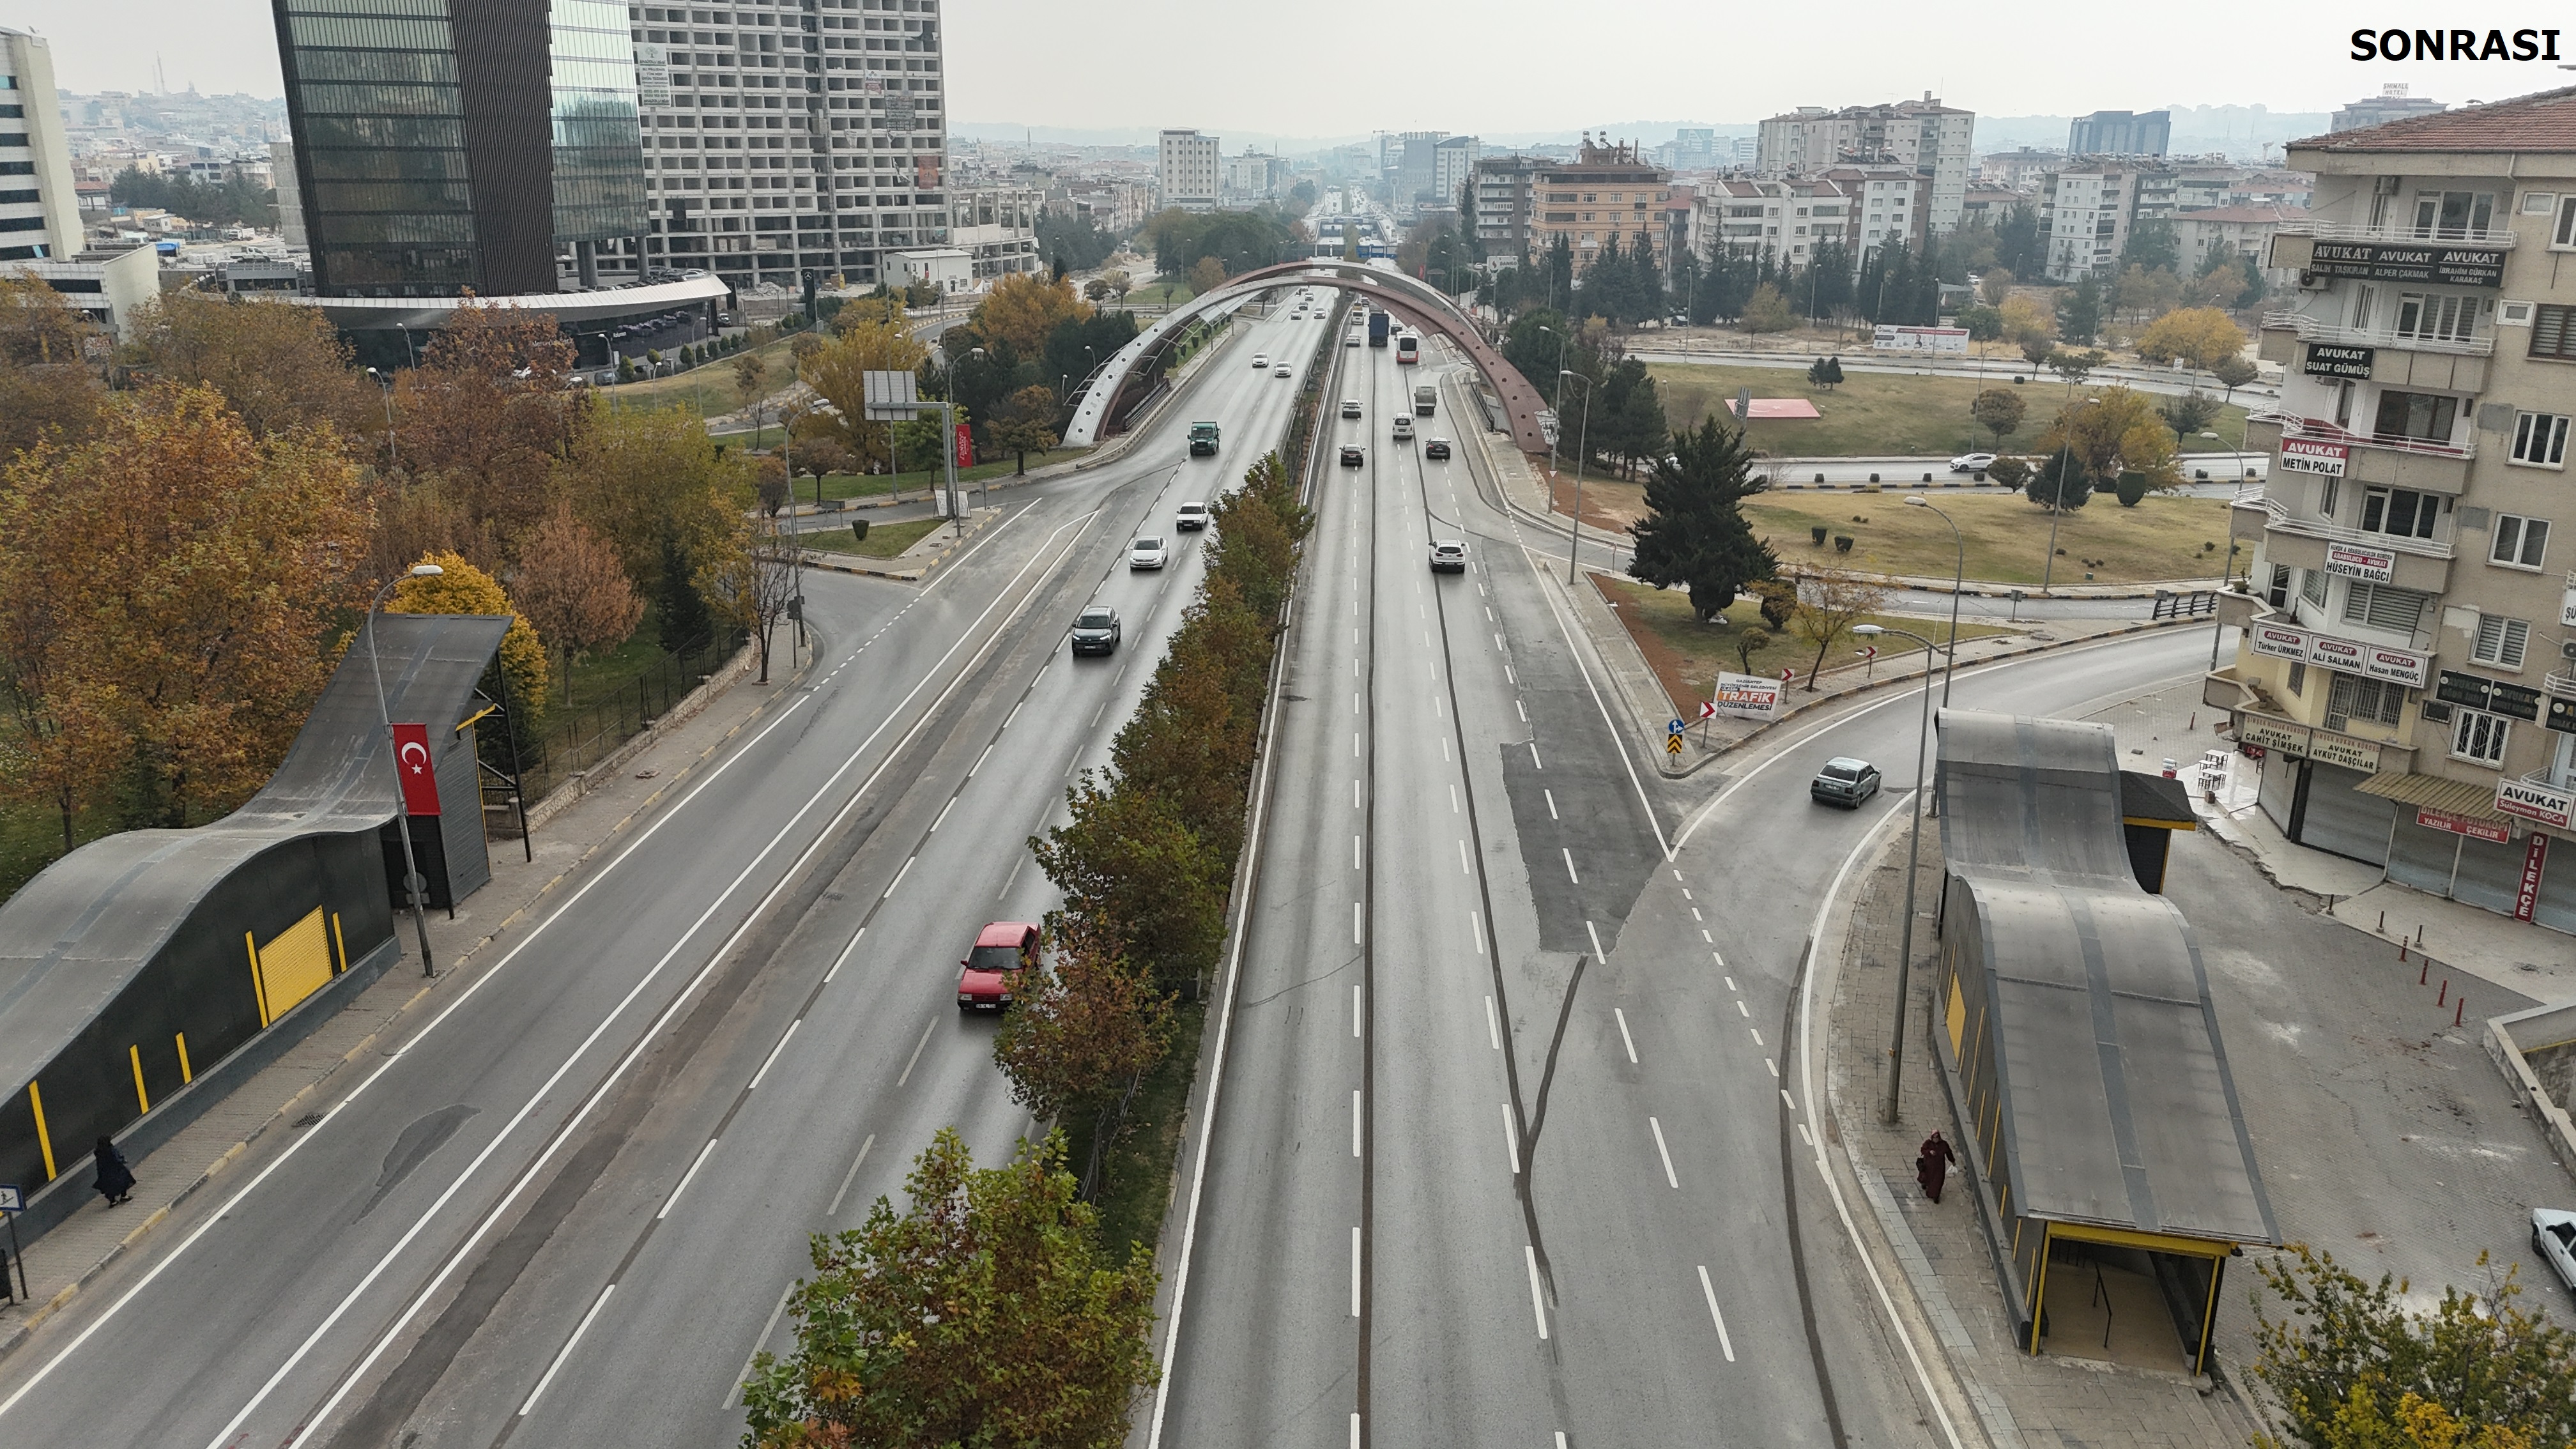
{"x": 279, "y": 366}
{"x": 2201, "y": 336}
{"x": 1025, "y": 309}
{"x": 2115, "y": 433}
{"x": 461, "y": 588}
{"x": 835, "y": 372}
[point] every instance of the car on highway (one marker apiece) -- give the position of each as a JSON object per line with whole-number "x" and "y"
{"x": 1448, "y": 556}
{"x": 1283, "y": 370}
{"x": 1190, "y": 517}
{"x": 1095, "y": 630}
{"x": 1352, "y": 457}
{"x": 1436, "y": 448}
{"x": 1350, "y": 407}
{"x": 1972, "y": 462}
{"x": 1353, "y": 339}
{"x": 1403, "y": 428}
{"x": 2553, "y": 1237}
{"x": 1844, "y": 781}
{"x": 1260, "y": 360}
{"x": 1148, "y": 553}
{"x": 984, "y": 977}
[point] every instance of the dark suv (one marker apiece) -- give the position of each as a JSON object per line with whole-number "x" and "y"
{"x": 1095, "y": 630}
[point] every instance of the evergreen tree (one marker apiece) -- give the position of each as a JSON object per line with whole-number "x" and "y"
{"x": 1558, "y": 291}
{"x": 2018, "y": 246}
{"x": 2061, "y": 483}
{"x": 1694, "y": 533}
{"x": 2079, "y": 311}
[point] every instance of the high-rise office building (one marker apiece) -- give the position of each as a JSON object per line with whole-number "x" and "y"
{"x": 39, "y": 214}
{"x": 460, "y": 148}
{"x": 793, "y": 137}
{"x": 2120, "y": 133}
{"x": 1186, "y": 165}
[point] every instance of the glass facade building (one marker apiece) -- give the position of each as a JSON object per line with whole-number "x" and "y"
{"x": 453, "y": 145}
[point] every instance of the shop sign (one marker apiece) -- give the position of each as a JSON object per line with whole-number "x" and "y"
{"x": 2280, "y": 643}
{"x": 2459, "y": 266}
{"x": 2333, "y": 749}
{"x": 2328, "y": 361}
{"x": 2474, "y": 829}
{"x": 2376, "y": 661}
{"x": 2567, "y": 610}
{"x": 2519, "y": 701}
{"x": 2562, "y": 714}
{"x": 1751, "y": 696}
{"x": 2538, "y": 803}
{"x": 2535, "y": 859}
{"x": 2401, "y": 666}
{"x": 2272, "y": 734}
{"x": 2302, "y": 455}
{"x": 2352, "y": 561}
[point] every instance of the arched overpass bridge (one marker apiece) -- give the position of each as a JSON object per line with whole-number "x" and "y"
{"x": 1416, "y": 303}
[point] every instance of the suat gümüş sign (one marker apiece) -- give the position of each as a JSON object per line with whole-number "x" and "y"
{"x": 2330, "y": 361}
{"x": 2459, "y": 266}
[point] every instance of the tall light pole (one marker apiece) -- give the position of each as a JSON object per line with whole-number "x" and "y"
{"x": 1558, "y": 406}
{"x": 1913, "y": 846}
{"x": 412, "y": 882}
{"x": 1575, "y": 536}
{"x": 386, "y": 384}
{"x": 1958, "y": 582}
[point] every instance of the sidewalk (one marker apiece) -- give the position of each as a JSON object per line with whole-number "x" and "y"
{"x": 361, "y": 1028}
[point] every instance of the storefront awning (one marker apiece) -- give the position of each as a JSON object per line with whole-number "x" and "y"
{"x": 2472, "y": 798}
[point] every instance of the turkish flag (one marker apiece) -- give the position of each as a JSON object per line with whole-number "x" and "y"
{"x": 418, "y": 768}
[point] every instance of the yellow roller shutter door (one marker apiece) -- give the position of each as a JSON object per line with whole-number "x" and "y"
{"x": 294, "y": 966}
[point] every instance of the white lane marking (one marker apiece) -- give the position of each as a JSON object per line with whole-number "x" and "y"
{"x": 1568, "y": 853}
{"x": 1803, "y": 1136}
{"x": 1477, "y": 924}
{"x": 1355, "y": 793}
{"x": 1511, "y": 1140}
{"x": 566, "y": 1351}
{"x": 1507, "y": 669}
{"x": 1538, "y": 1302}
{"x": 844, "y": 956}
{"x": 1730, "y": 984}
{"x": 1664, "y": 1153}
{"x": 1686, "y": 895}
{"x": 1565, "y": 630}
{"x": 685, "y": 1178}
{"x": 1355, "y": 701}
{"x": 1720, "y": 958}
{"x": 1355, "y": 923}
{"x": 1005, "y": 893}
{"x": 1519, "y": 710}
{"x": 1444, "y": 749}
{"x": 1790, "y": 1102}
{"x": 1355, "y": 1432}
{"x": 1757, "y": 1035}
{"x": 1498, "y": 641}
{"x": 980, "y": 759}
{"x": 943, "y": 815}
{"x": 1630, "y": 1041}
{"x": 1695, "y": 915}
{"x": 1355, "y": 1010}
{"x": 1740, "y": 1008}
{"x": 1355, "y": 1122}
{"x": 742, "y": 1379}
{"x": 1355, "y": 852}
{"x": 1705, "y": 936}
{"x": 915, "y": 1059}
{"x": 1771, "y": 1066}
{"x": 763, "y": 1074}
{"x": 1534, "y": 760}
{"x": 1437, "y": 711}
{"x": 1355, "y": 744}
{"x": 1453, "y": 799}
{"x": 1551, "y": 804}
{"x": 1493, "y": 1024}
{"x": 1010, "y": 718}
{"x": 1709, "y": 1291}
{"x": 1355, "y": 1272}
{"x": 898, "y": 877}
{"x": 1598, "y": 955}
{"x": 846, "y": 1179}
{"x": 1463, "y": 864}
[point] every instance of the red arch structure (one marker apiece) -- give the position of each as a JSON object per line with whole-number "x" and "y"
{"x": 1419, "y": 305}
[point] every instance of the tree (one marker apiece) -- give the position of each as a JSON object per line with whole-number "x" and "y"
{"x": 1816, "y": 374}
{"x": 461, "y": 588}
{"x": 2233, "y": 372}
{"x": 2060, "y": 484}
{"x": 2075, "y": 366}
{"x": 2142, "y": 294}
{"x": 2118, "y": 432}
{"x": 2190, "y": 413}
{"x": 278, "y": 366}
{"x": 1999, "y": 411}
{"x": 668, "y": 498}
{"x": 46, "y": 389}
{"x": 174, "y": 593}
{"x": 2346, "y": 1347}
{"x": 751, "y": 384}
{"x": 571, "y": 586}
{"x": 1694, "y": 532}
{"x": 1767, "y": 311}
{"x": 749, "y": 582}
{"x": 1080, "y": 1036}
{"x": 836, "y": 373}
{"x": 2027, "y": 324}
{"x": 1829, "y": 603}
{"x": 2019, "y": 246}
{"x": 1996, "y": 285}
{"x": 2201, "y": 336}
{"x": 209, "y": 203}
{"x": 2079, "y": 310}
{"x": 1026, "y": 420}
{"x": 38, "y": 327}
{"x": 1206, "y": 275}
{"x": 487, "y": 411}
{"x": 985, "y": 1313}
{"x": 1024, "y": 309}
{"x": 2152, "y": 246}
{"x": 1132, "y": 870}
{"x": 1984, "y": 324}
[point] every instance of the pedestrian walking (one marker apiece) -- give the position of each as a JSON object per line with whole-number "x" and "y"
{"x": 1932, "y": 1165}
{"x": 115, "y": 1179}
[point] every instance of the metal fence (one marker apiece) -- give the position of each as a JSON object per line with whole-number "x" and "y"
{"x": 2172, "y": 605}
{"x": 579, "y": 737}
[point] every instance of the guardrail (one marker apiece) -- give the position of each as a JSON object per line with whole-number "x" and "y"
{"x": 2311, "y": 329}
{"x": 2401, "y": 235}
{"x": 2317, "y": 430}
{"x": 2172, "y": 605}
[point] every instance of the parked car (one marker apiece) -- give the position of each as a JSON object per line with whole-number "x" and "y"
{"x": 1436, "y": 448}
{"x": 2553, "y": 1237}
{"x": 1190, "y": 517}
{"x": 1350, "y": 407}
{"x": 1844, "y": 781}
{"x": 1352, "y": 457}
{"x": 1095, "y": 630}
{"x": 984, "y": 977}
{"x": 1448, "y": 556}
{"x": 1972, "y": 462}
{"x": 1147, "y": 553}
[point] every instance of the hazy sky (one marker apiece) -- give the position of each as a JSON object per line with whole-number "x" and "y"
{"x": 1352, "y": 66}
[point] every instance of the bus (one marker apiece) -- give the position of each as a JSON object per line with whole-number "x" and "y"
{"x": 1408, "y": 349}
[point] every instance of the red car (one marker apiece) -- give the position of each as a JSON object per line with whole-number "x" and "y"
{"x": 1000, "y": 948}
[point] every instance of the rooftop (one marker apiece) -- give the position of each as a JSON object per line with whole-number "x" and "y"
{"x": 2545, "y": 121}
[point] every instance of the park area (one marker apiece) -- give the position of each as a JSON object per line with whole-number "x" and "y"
{"x": 2167, "y": 537}
{"x": 1875, "y": 414}
{"x": 1687, "y": 655}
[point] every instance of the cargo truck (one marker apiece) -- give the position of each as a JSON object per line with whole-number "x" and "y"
{"x": 1425, "y": 399}
{"x": 1377, "y": 329}
{"x": 1202, "y": 440}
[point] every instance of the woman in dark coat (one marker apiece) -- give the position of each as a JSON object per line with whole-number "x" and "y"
{"x": 115, "y": 1179}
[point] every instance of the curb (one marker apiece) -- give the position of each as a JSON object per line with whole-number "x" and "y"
{"x": 833, "y": 563}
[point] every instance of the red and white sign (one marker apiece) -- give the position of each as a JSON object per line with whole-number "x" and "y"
{"x": 2299, "y": 455}
{"x": 2487, "y": 830}
{"x": 1708, "y": 709}
{"x": 2278, "y": 642}
{"x": 965, "y": 446}
{"x": 2355, "y": 562}
{"x": 1869, "y": 651}
{"x": 2553, "y": 808}
{"x": 2404, "y": 666}
{"x": 2535, "y": 859}
{"x": 1787, "y": 674}
{"x": 2377, "y": 661}
{"x": 418, "y": 768}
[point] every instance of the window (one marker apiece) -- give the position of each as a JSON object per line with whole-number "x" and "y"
{"x": 2400, "y": 511}
{"x": 2381, "y": 606}
{"x": 2519, "y": 542}
{"x": 2540, "y": 439}
{"x": 2444, "y": 317}
{"x": 2312, "y": 586}
{"x": 2479, "y": 736}
{"x": 2421, "y": 416}
{"x": 2277, "y": 593}
{"x": 2298, "y": 676}
{"x": 2565, "y": 235}
{"x": 2350, "y": 697}
{"x": 2453, "y": 213}
{"x": 2500, "y": 641}
{"x": 2551, "y": 332}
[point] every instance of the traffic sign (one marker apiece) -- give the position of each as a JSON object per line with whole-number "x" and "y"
{"x": 10, "y": 1201}
{"x": 1673, "y": 726}
{"x": 1869, "y": 652}
{"x": 1672, "y": 744}
{"x": 1708, "y": 709}
{"x": 1788, "y": 675}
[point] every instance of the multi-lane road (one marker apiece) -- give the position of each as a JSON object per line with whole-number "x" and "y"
{"x": 1513, "y": 1112}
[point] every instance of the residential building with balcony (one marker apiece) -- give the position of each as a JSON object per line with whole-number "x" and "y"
{"x": 1933, "y": 140}
{"x": 1606, "y": 191}
{"x": 1502, "y": 219}
{"x": 1187, "y": 168}
{"x": 2406, "y": 656}
{"x": 2088, "y": 209}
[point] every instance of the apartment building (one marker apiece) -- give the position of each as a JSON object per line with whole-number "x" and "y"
{"x": 2120, "y": 133}
{"x": 2021, "y": 169}
{"x": 1607, "y": 191}
{"x": 1453, "y": 161}
{"x": 2391, "y": 104}
{"x": 2245, "y": 231}
{"x": 2087, "y": 210}
{"x": 997, "y": 228}
{"x": 1925, "y": 136}
{"x": 1789, "y": 218}
{"x": 39, "y": 209}
{"x": 1503, "y": 208}
{"x": 793, "y": 137}
{"x": 2406, "y": 655}
{"x": 1186, "y": 166}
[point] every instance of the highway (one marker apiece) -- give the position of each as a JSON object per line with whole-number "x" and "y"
{"x": 1514, "y": 1144}
{"x": 565, "y": 1209}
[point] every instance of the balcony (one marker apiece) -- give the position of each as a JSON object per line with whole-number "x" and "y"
{"x": 2311, "y": 329}
{"x": 2393, "y": 461}
{"x": 2398, "y": 235}
{"x": 2421, "y": 564}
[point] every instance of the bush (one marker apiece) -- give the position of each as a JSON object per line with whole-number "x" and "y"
{"x": 2131, "y": 487}
{"x": 2010, "y": 472}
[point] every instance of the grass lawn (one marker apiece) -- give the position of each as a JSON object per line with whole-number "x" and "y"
{"x": 884, "y": 540}
{"x": 1687, "y": 655}
{"x": 1872, "y": 414}
{"x": 1155, "y": 294}
{"x": 2164, "y": 537}
{"x": 877, "y": 485}
{"x": 708, "y": 389}
{"x": 1136, "y": 1174}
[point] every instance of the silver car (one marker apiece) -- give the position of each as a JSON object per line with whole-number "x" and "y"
{"x": 1844, "y": 781}
{"x": 2553, "y": 1237}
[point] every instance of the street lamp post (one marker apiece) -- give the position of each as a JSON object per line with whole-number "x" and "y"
{"x": 1582, "y": 439}
{"x": 1913, "y": 847}
{"x": 412, "y": 881}
{"x": 1958, "y": 583}
{"x": 1558, "y": 406}
{"x": 386, "y": 384}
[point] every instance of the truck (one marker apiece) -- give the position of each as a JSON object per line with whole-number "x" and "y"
{"x": 1425, "y": 400}
{"x": 1202, "y": 440}
{"x": 1377, "y": 329}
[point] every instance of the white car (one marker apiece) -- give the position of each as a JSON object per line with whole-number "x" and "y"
{"x": 2553, "y": 1237}
{"x": 1403, "y": 428}
{"x": 1972, "y": 462}
{"x": 1148, "y": 553}
{"x": 1260, "y": 360}
{"x": 1350, "y": 407}
{"x": 1190, "y": 517}
{"x": 1283, "y": 370}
